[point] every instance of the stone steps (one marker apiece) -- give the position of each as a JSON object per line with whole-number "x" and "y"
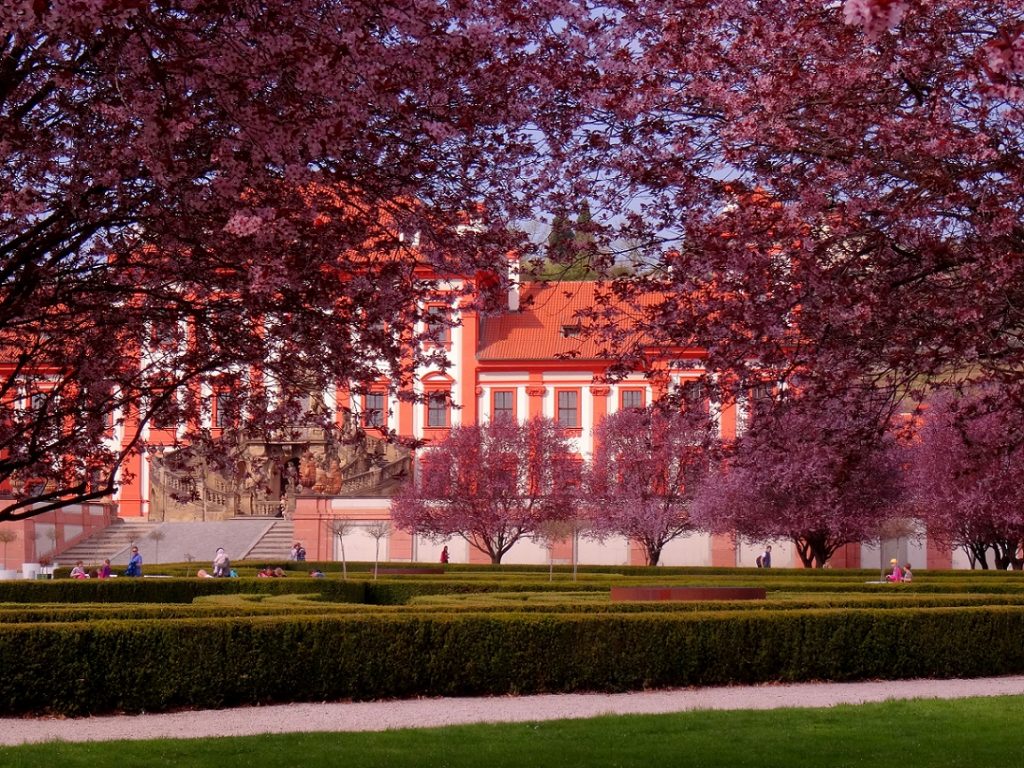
{"x": 111, "y": 543}
{"x": 276, "y": 544}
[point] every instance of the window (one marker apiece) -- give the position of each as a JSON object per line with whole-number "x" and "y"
{"x": 409, "y": 235}
{"x": 437, "y": 410}
{"x": 94, "y": 479}
{"x": 569, "y": 408}
{"x": 163, "y": 408}
{"x": 571, "y": 331}
{"x": 223, "y": 416}
{"x": 438, "y": 328}
{"x": 760, "y": 399}
{"x": 631, "y": 398}
{"x": 38, "y": 403}
{"x": 694, "y": 396}
{"x": 503, "y": 404}
{"x": 164, "y": 334}
{"x": 373, "y": 409}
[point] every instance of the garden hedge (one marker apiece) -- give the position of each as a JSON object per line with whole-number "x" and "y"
{"x": 398, "y": 590}
{"x": 127, "y": 590}
{"x": 153, "y": 665}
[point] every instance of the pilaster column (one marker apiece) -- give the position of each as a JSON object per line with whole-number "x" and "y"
{"x": 536, "y": 393}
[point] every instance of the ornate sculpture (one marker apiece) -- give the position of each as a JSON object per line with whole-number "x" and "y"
{"x": 307, "y": 470}
{"x": 332, "y": 482}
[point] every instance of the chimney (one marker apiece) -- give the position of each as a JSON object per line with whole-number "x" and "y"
{"x": 513, "y": 282}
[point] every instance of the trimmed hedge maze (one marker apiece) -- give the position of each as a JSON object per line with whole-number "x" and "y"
{"x": 86, "y": 647}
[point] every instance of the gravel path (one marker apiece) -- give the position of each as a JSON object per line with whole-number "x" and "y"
{"x": 427, "y": 713}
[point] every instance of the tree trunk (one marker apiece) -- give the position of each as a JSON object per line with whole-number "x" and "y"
{"x": 815, "y": 550}
{"x": 575, "y": 550}
{"x": 972, "y": 559}
{"x": 653, "y": 554}
{"x": 978, "y": 553}
{"x": 803, "y": 550}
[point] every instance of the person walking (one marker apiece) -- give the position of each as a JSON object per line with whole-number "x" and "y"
{"x": 134, "y": 564}
{"x": 764, "y": 560}
{"x": 444, "y": 554}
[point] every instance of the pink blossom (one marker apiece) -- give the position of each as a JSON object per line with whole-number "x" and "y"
{"x": 875, "y": 16}
{"x": 648, "y": 466}
{"x": 491, "y": 484}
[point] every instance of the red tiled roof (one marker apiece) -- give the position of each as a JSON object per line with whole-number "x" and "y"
{"x": 536, "y": 331}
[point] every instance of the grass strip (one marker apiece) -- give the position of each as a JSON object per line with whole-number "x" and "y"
{"x": 978, "y": 732}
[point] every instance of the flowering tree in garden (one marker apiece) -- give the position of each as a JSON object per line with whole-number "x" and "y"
{"x": 647, "y": 468}
{"x": 834, "y": 188}
{"x": 967, "y": 478}
{"x": 492, "y": 484}
{"x": 247, "y": 197}
{"x": 821, "y": 479}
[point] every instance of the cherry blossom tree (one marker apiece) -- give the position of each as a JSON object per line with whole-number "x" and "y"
{"x": 647, "y": 468}
{"x": 967, "y": 477}
{"x": 492, "y": 484}
{"x": 251, "y": 198}
{"x": 829, "y": 188}
{"x": 821, "y": 479}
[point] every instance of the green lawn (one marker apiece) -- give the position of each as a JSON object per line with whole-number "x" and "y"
{"x": 971, "y": 732}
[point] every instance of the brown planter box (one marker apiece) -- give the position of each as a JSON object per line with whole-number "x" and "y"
{"x": 687, "y": 593}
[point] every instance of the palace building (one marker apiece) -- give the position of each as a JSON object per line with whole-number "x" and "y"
{"x": 527, "y": 358}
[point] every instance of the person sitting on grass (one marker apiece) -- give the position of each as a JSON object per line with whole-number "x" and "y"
{"x": 896, "y": 575}
{"x": 907, "y": 574}
{"x": 221, "y": 563}
{"x": 78, "y": 572}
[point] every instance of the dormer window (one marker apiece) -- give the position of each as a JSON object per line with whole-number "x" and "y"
{"x": 571, "y": 331}
{"x": 409, "y": 237}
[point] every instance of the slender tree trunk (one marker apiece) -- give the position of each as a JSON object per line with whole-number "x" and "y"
{"x": 575, "y": 551}
{"x": 971, "y": 557}
{"x": 980, "y": 555}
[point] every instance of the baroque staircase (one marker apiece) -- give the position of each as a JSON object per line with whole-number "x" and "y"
{"x": 276, "y": 544}
{"x": 110, "y": 543}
